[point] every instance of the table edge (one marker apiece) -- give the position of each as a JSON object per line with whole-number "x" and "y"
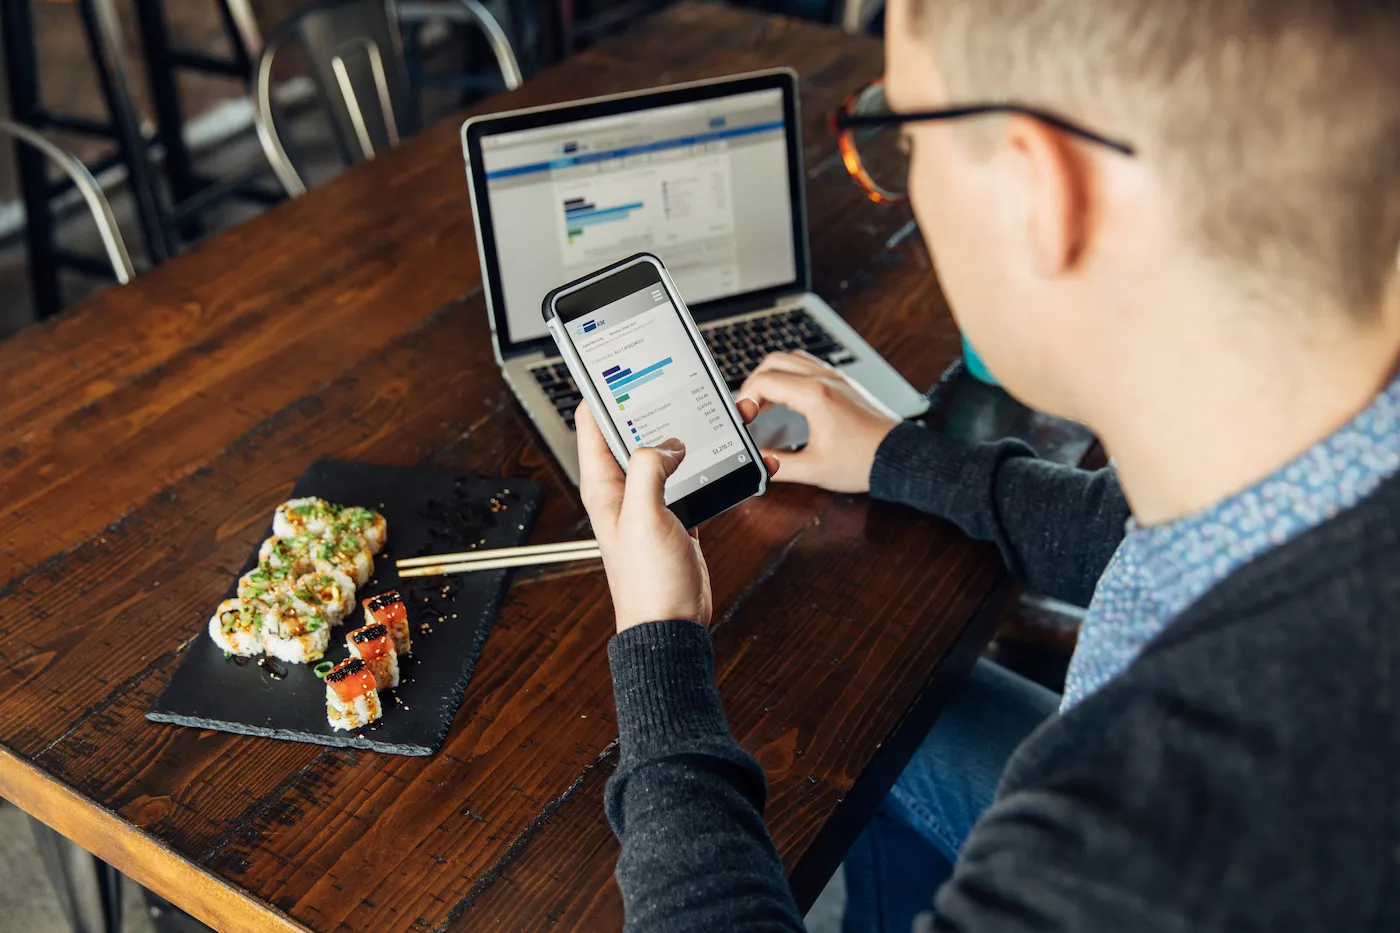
{"x": 138, "y": 855}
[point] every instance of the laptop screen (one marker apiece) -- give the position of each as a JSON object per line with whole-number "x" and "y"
{"x": 704, "y": 185}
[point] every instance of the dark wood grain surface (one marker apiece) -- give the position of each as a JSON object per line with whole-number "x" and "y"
{"x": 146, "y": 437}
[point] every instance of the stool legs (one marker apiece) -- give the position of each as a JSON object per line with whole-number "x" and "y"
{"x": 89, "y": 890}
{"x": 105, "y": 46}
{"x": 17, "y": 30}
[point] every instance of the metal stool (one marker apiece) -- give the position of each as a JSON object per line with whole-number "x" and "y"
{"x": 191, "y": 192}
{"x": 103, "y": 38}
{"x": 87, "y": 186}
{"x": 160, "y": 226}
{"x": 357, "y": 65}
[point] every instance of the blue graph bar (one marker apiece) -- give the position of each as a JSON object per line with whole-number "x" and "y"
{"x": 678, "y": 142}
{"x": 595, "y": 219}
{"x": 585, "y": 215}
{"x": 617, "y": 374}
{"x": 639, "y": 374}
{"x": 641, "y": 381}
{"x": 609, "y": 372}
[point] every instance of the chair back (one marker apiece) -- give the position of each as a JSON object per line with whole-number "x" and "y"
{"x": 357, "y": 65}
{"x": 355, "y": 56}
{"x": 86, "y": 185}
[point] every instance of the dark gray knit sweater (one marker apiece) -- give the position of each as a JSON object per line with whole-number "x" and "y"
{"x": 1242, "y": 774}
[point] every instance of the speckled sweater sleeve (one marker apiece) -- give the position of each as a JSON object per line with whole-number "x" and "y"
{"x": 1056, "y": 526}
{"x": 686, "y": 801}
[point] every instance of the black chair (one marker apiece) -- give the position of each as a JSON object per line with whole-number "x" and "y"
{"x": 355, "y": 54}
{"x": 164, "y": 226}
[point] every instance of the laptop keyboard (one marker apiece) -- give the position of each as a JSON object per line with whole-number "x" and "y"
{"x": 737, "y": 347}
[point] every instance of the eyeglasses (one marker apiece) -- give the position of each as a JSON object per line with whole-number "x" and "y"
{"x": 877, "y": 154}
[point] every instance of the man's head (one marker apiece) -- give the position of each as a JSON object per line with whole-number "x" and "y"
{"x": 1265, "y": 186}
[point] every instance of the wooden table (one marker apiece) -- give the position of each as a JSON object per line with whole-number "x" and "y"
{"x": 145, "y": 438}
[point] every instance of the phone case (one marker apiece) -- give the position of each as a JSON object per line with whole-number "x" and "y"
{"x": 590, "y": 394}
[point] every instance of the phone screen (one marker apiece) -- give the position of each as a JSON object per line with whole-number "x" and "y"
{"x": 654, "y": 384}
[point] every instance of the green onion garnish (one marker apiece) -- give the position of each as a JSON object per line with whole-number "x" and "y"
{"x": 324, "y": 668}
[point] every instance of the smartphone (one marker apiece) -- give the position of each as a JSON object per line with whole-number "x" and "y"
{"x": 641, "y": 364}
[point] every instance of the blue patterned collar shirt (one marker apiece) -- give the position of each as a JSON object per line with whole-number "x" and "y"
{"x": 1159, "y": 571}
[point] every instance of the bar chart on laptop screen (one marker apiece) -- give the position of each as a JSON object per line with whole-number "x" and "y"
{"x": 655, "y": 202}
{"x": 581, "y": 214}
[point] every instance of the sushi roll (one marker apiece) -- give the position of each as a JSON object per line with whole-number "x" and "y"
{"x": 346, "y": 554}
{"x": 309, "y": 516}
{"x": 294, "y": 635}
{"x": 368, "y": 524}
{"x": 373, "y": 645}
{"x": 265, "y": 585}
{"x": 238, "y": 629}
{"x": 352, "y": 702}
{"x": 388, "y": 610}
{"x": 332, "y": 595}
{"x": 292, "y": 553}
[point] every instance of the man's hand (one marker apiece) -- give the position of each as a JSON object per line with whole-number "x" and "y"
{"x": 844, "y": 427}
{"x": 654, "y": 566}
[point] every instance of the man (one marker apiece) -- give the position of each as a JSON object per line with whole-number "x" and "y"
{"x": 1221, "y": 306}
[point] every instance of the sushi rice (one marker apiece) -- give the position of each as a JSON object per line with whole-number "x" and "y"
{"x": 373, "y": 645}
{"x": 236, "y": 629}
{"x": 295, "y": 636}
{"x": 308, "y": 516}
{"x": 292, "y": 553}
{"x": 346, "y": 554}
{"x": 367, "y": 524}
{"x": 352, "y": 697}
{"x": 332, "y": 595}
{"x": 265, "y": 585}
{"x": 356, "y": 714}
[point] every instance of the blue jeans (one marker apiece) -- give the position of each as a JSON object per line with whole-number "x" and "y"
{"x": 908, "y": 849}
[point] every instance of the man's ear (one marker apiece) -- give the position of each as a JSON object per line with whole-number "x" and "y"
{"x": 1055, "y": 175}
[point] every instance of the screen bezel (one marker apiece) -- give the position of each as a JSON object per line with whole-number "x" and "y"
{"x": 476, "y": 129}
{"x": 612, "y": 283}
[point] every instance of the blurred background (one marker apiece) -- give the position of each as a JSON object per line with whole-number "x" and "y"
{"x": 157, "y": 100}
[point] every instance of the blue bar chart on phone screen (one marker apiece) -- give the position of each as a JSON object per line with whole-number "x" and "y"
{"x": 654, "y": 385}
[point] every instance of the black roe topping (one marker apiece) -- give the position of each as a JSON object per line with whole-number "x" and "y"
{"x": 370, "y": 633}
{"x": 384, "y": 600}
{"x": 345, "y": 669}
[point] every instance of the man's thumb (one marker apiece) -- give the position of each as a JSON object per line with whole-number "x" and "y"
{"x": 648, "y": 469}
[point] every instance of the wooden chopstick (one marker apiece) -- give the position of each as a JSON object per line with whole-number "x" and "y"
{"x": 501, "y": 563}
{"x": 529, "y": 550}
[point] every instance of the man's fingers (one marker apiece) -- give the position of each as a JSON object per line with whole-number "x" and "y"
{"x": 748, "y": 409}
{"x": 803, "y": 394}
{"x": 647, "y": 472}
{"x": 800, "y": 362}
{"x": 601, "y": 481}
{"x": 815, "y": 360}
{"x": 797, "y": 465}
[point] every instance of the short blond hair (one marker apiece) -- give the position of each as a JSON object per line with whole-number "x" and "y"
{"x": 1275, "y": 122}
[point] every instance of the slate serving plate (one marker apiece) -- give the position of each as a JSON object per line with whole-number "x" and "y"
{"x": 428, "y": 512}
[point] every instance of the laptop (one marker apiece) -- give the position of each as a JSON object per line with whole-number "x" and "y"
{"x": 706, "y": 175}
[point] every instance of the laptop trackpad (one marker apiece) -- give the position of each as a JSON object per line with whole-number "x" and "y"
{"x": 779, "y": 428}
